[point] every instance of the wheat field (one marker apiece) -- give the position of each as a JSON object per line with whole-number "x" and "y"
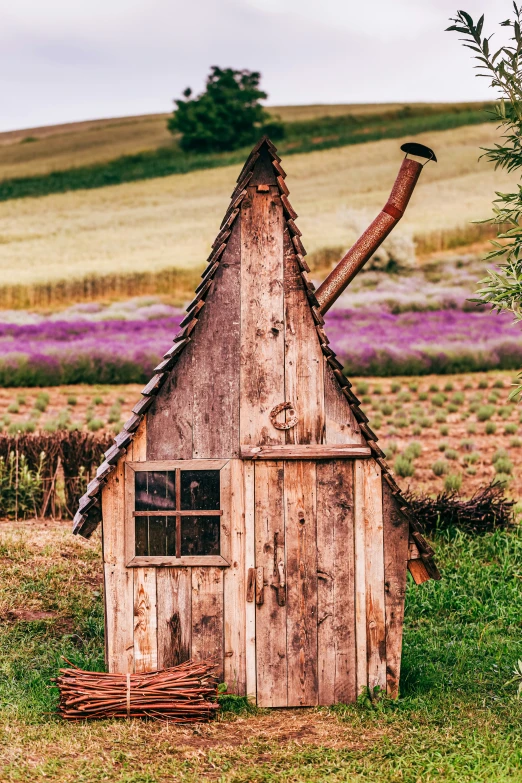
{"x": 172, "y": 221}
{"x": 37, "y": 151}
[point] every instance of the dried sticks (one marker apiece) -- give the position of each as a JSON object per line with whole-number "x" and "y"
{"x": 181, "y": 694}
{"x": 487, "y": 510}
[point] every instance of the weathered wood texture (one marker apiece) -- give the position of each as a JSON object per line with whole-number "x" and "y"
{"x": 301, "y": 563}
{"x": 250, "y": 559}
{"x": 374, "y": 572}
{"x": 340, "y": 423}
{"x": 360, "y": 579}
{"x": 308, "y": 451}
{"x": 174, "y": 594}
{"x": 336, "y": 583}
{"x": 235, "y": 586}
{"x": 145, "y": 620}
{"x": 303, "y": 356}
{"x": 396, "y": 532}
{"x": 271, "y": 653}
{"x": 137, "y": 451}
{"x": 215, "y": 357}
{"x": 196, "y": 413}
{"x": 262, "y": 382}
{"x": 207, "y": 616}
{"x": 119, "y": 587}
{"x": 170, "y": 418}
{"x": 263, "y": 173}
{"x": 418, "y": 571}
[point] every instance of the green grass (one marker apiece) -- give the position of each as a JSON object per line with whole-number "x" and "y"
{"x": 302, "y": 136}
{"x": 456, "y": 720}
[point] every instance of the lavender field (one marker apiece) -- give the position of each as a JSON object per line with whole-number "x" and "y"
{"x": 122, "y": 343}
{"x": 52, "y": 353}
{"x": 377, "y": 342}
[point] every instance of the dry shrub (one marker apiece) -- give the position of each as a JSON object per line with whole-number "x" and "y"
{"x": 487, "y": 510}
{"x": 60, "y": 476}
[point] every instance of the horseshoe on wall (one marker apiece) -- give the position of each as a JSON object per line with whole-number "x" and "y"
{"x": 289, "y": 423}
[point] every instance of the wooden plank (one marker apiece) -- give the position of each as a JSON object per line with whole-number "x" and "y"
{"x": 360, "y": 578}
{"x": 263, "y": 172}
{"x": 165, "y": 561}
{"x": 119, "y": 587}
{"x": 234, "y": 582}
{"x": 374, "y": 556}
{"x": 418, "y": 571}
{"x": 171, "y": 464}
{"x": 340, "y": 423}
{"x": 271, "y": 652}
{"x": 216, "y": 358}
{"x": 207, "y": 616}
{"x": 304, "y": 384}
{"x": 396, "y": 533}
{"x": 250, "y": 559}
{"x": 130, "y": 524}
{"x": 174, "y": 589}
{"x": 336, "y": 583}
{"x": 145, "y": 620}
{"x": 137, "y": 451}
{"x": 262, "y": 383}
{"x": 315, "y": 452}
{"x": 301, "y": 568}
{"x": 161, "y": 513}
{"x": 170, "y": 417}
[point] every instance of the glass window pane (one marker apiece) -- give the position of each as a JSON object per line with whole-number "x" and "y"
{"x": 155, "y": 536}
{"x": 155, "y": 490}
{"x": 200, "y": 535}
{"x": 200, "y": 490}
{"x": 142, "y": 535}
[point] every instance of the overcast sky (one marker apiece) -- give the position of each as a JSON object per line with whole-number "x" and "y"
{"x": 69, "y": 60}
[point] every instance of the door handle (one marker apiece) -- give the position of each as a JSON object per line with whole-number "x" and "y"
{"x": 279, "y": 568}
{"x": 260, "y": 585}
{"x": 281, "y": 587}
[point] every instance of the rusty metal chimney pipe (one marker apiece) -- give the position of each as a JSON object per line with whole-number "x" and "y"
{"x": 354, "y": 260}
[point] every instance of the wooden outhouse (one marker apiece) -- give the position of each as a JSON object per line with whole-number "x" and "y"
{"x": 249, "y": 516}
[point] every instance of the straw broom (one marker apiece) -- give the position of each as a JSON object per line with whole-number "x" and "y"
{"x": 181, "y": 694}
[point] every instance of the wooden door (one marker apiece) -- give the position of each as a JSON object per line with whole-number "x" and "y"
{"x": 304, "y": 550}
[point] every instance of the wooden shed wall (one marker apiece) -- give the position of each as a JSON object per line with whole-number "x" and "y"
{"x": 337, "y": 633}
{"x": 255, "y": 345}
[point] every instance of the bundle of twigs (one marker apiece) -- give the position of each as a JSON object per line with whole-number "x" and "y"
{"x": 181, "y": 694}
{"x": 488, "y": 509}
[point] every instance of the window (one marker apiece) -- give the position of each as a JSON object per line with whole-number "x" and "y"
{"x": 176, "y": 512}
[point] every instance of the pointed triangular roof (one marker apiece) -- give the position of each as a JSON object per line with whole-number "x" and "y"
{"x": 89, "y": 510}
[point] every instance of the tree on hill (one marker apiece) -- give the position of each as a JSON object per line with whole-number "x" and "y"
{"x": 226, "y": 116}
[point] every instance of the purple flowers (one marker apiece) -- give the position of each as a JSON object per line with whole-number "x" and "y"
{"x": 371, "y": 341}
{"x": 61, "y": 352}
{"x": 377, "y": 342}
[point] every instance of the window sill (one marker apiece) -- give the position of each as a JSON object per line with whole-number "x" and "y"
{"x": 180, "y": 562}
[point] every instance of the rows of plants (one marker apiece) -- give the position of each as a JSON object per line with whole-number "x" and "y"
{"x": 26, "y": 415}
{"x": 448, "y": 435}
